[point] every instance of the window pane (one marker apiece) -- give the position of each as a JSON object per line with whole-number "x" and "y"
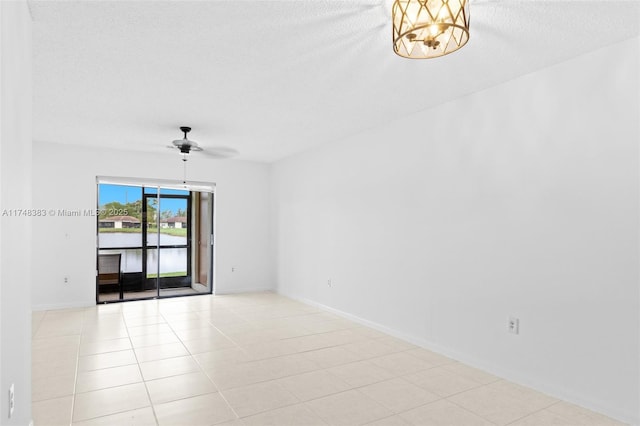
{"x": 165, "y": 191}
{"x": 173, "y": 221}
{"x": 131, "y": 260}
{"x": 173, "y": 262}
{"x": 120, "y": 216}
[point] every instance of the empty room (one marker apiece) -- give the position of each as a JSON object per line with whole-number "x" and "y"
{"x": 319, "y": 212}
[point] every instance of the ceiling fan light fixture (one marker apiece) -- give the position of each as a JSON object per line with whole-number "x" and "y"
{"x": 424, "y": 29}
{"x": 185, "y": 145}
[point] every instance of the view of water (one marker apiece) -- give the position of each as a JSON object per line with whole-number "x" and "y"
{"x": 126, "y": 239}
{"x": 171, "y": 259}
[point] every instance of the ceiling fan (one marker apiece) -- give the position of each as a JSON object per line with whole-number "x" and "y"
{"x": 187, "y": 146}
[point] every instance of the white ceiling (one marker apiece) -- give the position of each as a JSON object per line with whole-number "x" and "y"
{"x": 272, "y": 78}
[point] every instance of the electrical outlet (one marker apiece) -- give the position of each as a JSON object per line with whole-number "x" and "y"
{"x": 514, "y": 325}
{"x": 329, "y": 283}
{"x": 66, "y": 280}
{"x": 233, "y": 269}
{"x": 12, "y": 400}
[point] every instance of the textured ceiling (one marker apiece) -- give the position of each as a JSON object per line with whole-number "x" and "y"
{"x": 272, "y": 78}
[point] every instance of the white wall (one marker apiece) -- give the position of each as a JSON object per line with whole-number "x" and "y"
{"x": 64, "y": 178}
{"x": 518, "y": 200}
{"x": 15, "y": 193}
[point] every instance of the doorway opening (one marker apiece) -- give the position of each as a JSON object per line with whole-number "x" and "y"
{"x": 154, "y": 240}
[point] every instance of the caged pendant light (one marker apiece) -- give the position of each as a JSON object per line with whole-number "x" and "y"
{"x": 425, "y": 29}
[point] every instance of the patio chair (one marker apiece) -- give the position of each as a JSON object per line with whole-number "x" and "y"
{"x": 109, "y": 270}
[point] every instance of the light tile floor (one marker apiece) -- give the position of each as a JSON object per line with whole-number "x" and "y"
{"x": 259, "y": 359}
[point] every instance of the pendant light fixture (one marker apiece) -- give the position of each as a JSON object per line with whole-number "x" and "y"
{"x": 425, "y": 29}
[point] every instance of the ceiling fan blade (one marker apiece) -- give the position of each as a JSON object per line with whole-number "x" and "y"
{"x": 219, "y": 152}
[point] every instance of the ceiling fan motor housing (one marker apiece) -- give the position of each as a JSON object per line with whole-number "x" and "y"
{"x": 185, "y": 145}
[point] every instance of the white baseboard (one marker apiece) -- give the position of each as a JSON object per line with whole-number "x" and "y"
{"x": 66, "y": 305}
{"x": 78, "y": 304}
{"x": 496, "y": 370}
{"x": 220, "y": 292}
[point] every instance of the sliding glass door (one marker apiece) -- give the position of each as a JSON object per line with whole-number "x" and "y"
{"x": 120, "y": 235}
{"x": 167, "y": 248}
{"x": 145, "y": 245}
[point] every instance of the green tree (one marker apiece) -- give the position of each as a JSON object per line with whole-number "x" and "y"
{"x": 108, "y": 209}
{"x": 134, "y": 209}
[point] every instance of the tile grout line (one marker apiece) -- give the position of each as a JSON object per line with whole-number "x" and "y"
{"x": 219, "y": 391}
{"x": 291, "y": 375}
{"x": 258, "y": 314}
{"x": 115, "y": 386}
{"x": 153, "y": 410}
{"x": 537, "y": 411}
{"x": 75, "y": 380}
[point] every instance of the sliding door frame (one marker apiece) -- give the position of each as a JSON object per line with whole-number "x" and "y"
{"x": 160, "y": 184}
